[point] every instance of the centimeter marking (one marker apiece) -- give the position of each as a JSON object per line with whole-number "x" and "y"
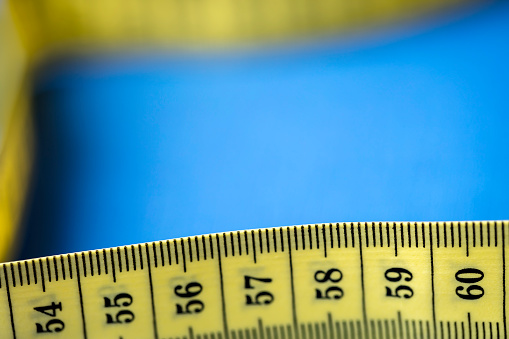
{"x": 433, "y": 282}
{"x": 503, "y": 281}
{"x": 320, "y": 249}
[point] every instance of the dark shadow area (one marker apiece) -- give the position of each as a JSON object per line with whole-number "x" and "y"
{"x": 42, "y": 232}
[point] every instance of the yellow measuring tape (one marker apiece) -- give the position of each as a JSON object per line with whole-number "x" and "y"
{"x": 376, "y": 280}
{"x": 348, "y": 280}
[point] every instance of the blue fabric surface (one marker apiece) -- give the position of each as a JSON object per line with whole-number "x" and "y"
{"x": 147, "y": 148}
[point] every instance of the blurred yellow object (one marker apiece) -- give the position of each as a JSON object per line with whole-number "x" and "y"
{"x": 48, "y": 26}
{"x": 33, "y": 30}
{"x": 16, "y": 132}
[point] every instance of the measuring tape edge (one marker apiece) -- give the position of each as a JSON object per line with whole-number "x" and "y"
{"x": 364, "y": 224}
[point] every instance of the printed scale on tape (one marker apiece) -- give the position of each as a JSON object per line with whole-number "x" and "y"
{"x": 344, "y": 280}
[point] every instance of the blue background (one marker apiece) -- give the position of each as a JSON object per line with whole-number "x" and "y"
{"x": 410, "y": 124}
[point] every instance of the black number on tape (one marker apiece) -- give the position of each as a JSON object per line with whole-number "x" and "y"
{"x": 322, "y": 276}
{"x": 395, "y": 275}
{"x": 122, "y": 299}
{"x": 261, "y": 298}
{"x": 469, "y": 276}
{"x": 333, "y": 275}
{"x": 123, "y": 316}
{"x": 53, "y": 325}
{"x": 191, "y": 290}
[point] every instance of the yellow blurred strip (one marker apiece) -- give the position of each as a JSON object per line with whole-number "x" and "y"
{"x": 16, "y": 160}
{"x": 12, "y": 67}
{"x": 56, "y": 25}
{"x": 16, "y": 132}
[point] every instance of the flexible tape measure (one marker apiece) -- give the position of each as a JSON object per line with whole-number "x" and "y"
{"x": 32, "y": 31}
{"x": 348, "y": 280}
{"x": 355, "y": 280}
